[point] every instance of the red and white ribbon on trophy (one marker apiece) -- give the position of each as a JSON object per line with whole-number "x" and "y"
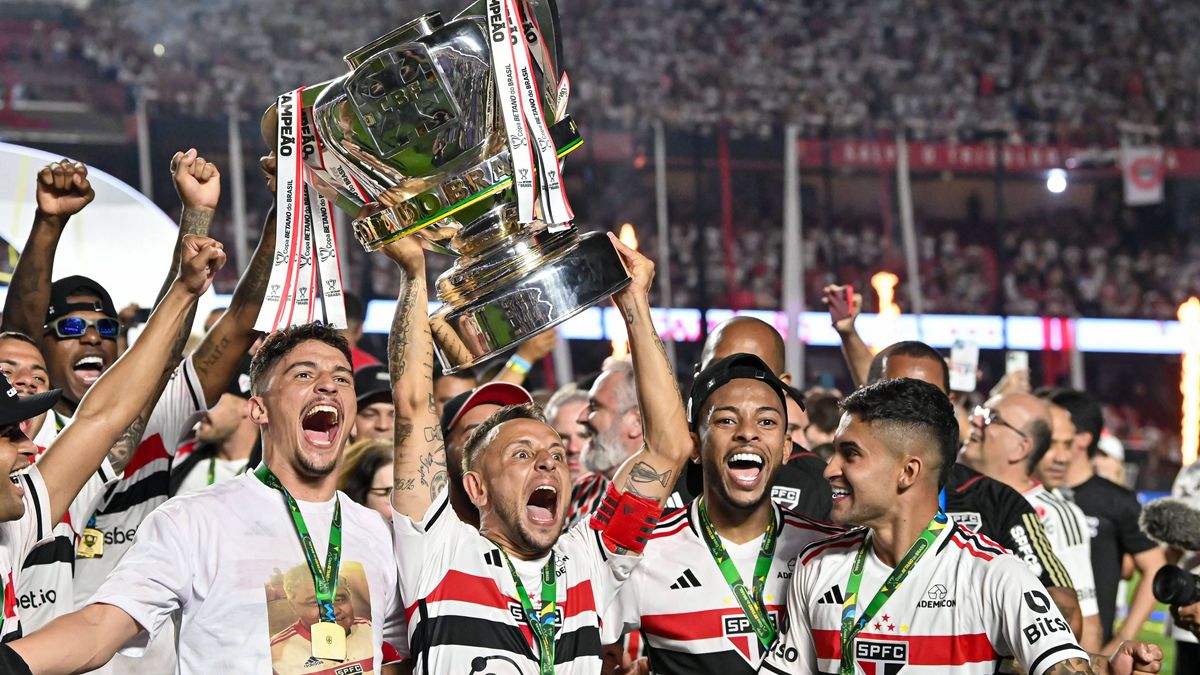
{"x": 529, "y": 141}
{"x": 305, "y": 266}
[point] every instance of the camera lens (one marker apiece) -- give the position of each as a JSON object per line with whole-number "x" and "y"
{"x": 1174, "y": 586}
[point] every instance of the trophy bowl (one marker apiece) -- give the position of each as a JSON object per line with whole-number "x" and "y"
{"x": 413, "y": 141}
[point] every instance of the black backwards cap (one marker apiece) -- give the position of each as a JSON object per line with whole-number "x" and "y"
{"x": 372, "y": 384}
{"x": 14, "y": 409}
{"x": 78, "y": 285}
{"x": 732, "y": 367}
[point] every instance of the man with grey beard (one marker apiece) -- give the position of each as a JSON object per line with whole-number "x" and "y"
{"x": 614, "y": 425}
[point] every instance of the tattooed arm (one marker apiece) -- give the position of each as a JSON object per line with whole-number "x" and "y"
{"x": 653, "y": 470}
{"x": 199, "y": 186}
{"x": 419, "y": 470}
{"x": 62, "y": 191}
{"x": 217, "y": 357}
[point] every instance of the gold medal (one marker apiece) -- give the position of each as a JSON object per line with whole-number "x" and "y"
{"x": 91, "y": 544}
{"x": 328, "y": 641}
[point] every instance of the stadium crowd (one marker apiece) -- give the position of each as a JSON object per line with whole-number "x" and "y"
{"x": 1048, "y": 72}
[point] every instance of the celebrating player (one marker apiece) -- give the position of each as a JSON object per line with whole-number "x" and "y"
{"x": 911, "y": 587}
{"x": 517, "y": 591}
{"x": 215, "y": 555}
{"x": 978, "y": 502}
{"x": 732, "y": 541}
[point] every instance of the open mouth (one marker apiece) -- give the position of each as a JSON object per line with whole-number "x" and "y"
{"x": 542, "y": 505}
{"x": 745, "y": 468}
{"x": 320, "y": 425}
{"x": 88, "y": 369}
{"x": 840, "y": 493}
{"x": 20, "y": 465}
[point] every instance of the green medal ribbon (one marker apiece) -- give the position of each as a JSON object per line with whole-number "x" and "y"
{"x": 850, "y": 627}
{"x": 752, "y": 604}
{"x": 325, "y": 581}
{"x": 543, "y": 623}
{"x": 212, "y": 470}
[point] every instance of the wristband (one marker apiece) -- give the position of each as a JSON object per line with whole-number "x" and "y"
{"x": 12, "y": 663}
{"x": 626, "y": 519}
{"x": 519, "y": 364}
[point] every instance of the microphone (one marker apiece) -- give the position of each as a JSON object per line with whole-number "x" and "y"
{"x": 1173, "y": 522}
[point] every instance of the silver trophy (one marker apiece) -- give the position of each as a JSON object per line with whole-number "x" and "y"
{"x": 414, "y": 141}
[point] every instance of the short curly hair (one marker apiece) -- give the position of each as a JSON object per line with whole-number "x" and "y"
{"x": 911, "y": 405}
{"x": 279, "y": 343}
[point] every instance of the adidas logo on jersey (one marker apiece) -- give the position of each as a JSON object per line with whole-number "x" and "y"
{"x": 685, "y": 580}
{"x": 493, "y": 558}
{"x": 312, "y": 662}
{"x": 832, "y": 596}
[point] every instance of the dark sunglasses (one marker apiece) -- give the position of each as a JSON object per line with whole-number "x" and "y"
{"x": 74, "y": 327}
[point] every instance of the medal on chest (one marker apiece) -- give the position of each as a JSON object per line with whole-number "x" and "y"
{"x": 328, "y": 641}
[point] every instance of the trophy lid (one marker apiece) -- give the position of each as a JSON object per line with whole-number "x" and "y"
{"x": 419, "y": 27}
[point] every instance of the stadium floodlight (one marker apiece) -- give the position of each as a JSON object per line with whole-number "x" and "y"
{"x": 1056, "y": 181}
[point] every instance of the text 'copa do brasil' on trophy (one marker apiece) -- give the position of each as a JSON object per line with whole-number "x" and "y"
{"x": 452, "y": 131}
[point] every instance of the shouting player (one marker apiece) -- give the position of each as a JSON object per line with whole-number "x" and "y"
{"x": 912, "y": 588}
{"x": 732, "y": 542}
{"x": 516, "y": 594}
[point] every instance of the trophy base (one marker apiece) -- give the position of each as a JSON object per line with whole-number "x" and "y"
{"x": 521, "y": 308}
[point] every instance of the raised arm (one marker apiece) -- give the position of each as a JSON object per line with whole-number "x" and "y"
{"x": 218, "y": 355}
{"x": 130, "y": 385}
{"x": 419, "y": 467}
{"x": 842, "y": 312}
{"x": 653, "y": 470}
{"x": 63, "y": 190}
{"x": 527, "y": 355}
{"x": 198, "y": 184}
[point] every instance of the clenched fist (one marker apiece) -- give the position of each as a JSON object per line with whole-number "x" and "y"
{"x": 200, "y": 261}
{"x": 63, "y": 190}
{"x": 196, "y": 180}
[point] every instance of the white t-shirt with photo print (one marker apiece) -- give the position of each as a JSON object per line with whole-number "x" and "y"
{"x": 225, "y": 558}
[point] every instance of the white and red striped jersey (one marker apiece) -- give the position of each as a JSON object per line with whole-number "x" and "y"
{"x": 1067, "y": 529}
{"x": 462, "y": 605}
{"x": 677, "y": 597}
{"x": 17, "y": 539}
{"x": 966, "y": 605}
{"x": 143, "y": 487}
{"x": 46, "y": 589}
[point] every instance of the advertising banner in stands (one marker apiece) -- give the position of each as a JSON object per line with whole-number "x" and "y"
{"x": 979, "y": 157}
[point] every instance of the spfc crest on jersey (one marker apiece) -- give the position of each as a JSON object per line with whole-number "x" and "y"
{"x": 881, "y": 657}
{"x": 741, "y": 634}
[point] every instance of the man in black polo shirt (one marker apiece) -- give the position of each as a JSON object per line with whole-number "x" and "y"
{"x": 1112, "y": 514}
